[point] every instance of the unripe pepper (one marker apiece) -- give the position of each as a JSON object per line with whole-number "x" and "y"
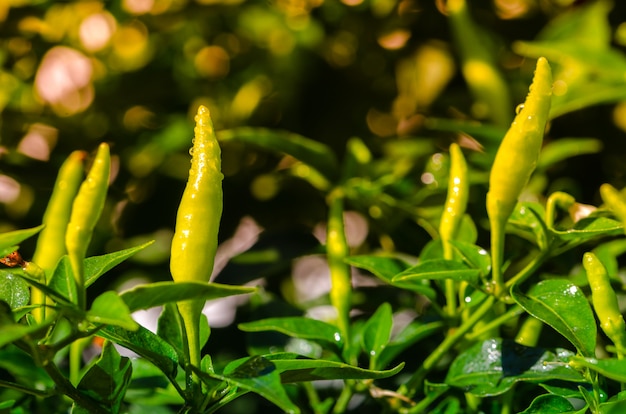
{"x": 86, "y": 211}
{"x": 605, "y": 302}
{"x": 453, "y": 211}
{"x": 51, "y": 241}
{"x": 515, "y": 161}
{"x": 197, "y": 224}
{"x": 614, "y": 200}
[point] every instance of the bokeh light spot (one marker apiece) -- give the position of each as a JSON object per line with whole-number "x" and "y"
{"x": 96, "y": 31}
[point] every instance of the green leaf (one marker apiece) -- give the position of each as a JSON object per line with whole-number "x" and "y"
{"x": 159, "y": 293}
{"x": 613, "y": 407}
{"x": 144, "y": 343}
{"x": 297, "y": 327}
{"x": 564, "y": 148}
{"x": 110, "y": 309}
{"x": 376, "y": 332}
{"x": 493, "y": 366}
{"x": 170, "y": 328}
{"x": 13, "y": 290}
{"x": 11, "y": 331}
{"x": 549, "y": 404}
{"x": 563, "y": 306}
{"x": 10, "y": 239}
{"x": 612, "y": 368}
{"x": 259, "y": 375}
{"x": 411, "y": 334}
{"x": 590, "y": 228}
{"x": 440, "y": 269}
{"x": 528, "y": 223}
{"x": 293, "y": 369}
{"x": 385, "y": 268}
{"x": 475, "y": 256}
{"x": 310, "y": 152}
{"x": 96, "y": 266}
{"x": 107, "y": 380}
{"x": 62, "y": 281}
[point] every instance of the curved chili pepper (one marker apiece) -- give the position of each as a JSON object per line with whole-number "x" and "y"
{"x": 197, "y": 224}
{"x": 86, "y": 211}
{"x": 605, "y": 302}
{"x": 515, "y": 161}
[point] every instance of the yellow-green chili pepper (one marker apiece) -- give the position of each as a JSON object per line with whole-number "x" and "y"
{"x": 515, "y": 161}
{"x": 51, "y": 241}
{"x": 197, "y": 224}
{"x": 336, "y": 252}
{"x": 86, "y": 211}
{"x": 605, "y": 302}
{"x": 453, "y": 211}
{"x": 615, "y": 201}
{"x": 479, "y": 64}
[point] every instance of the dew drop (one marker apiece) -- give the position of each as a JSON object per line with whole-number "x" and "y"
{"x": 519, "y": 108}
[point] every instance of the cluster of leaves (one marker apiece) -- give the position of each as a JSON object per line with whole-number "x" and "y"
{"x": 490, "y": 355}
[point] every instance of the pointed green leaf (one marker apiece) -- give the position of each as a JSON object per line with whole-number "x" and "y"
{"x": 62, "y": 281}
{"x": 385, "y": 268}
{"x": 475, "y": 256}
{"x": 590, "y": 228}
{"x": 259, "y": 375}
{"x": 170, "y": 328}
{"x": 144, "y": 343}
{"x": 13, "y": 290}
{"x": 549, "y": 404}
{"x": 310, "y": 152}
{"x": 110, "y": 309}
{"x": 611, "y": 368}
{"x": 564, "y": 148}
{"x": 107, "y": 380}
{"x": 563, "y": 306}
{"x": 96, "y": 266}
{"x": 613, "y": 407}
{"x": 159, "y": 293}
{"x": 296, "y": 327}
{"x": 376, "y": 332}
{"x": 527, "y": 222}
{"x": 12, "y": 332}
{"x": 493, "y": 366}
{"x": 294, "y": 369}
{"x": 440, "y": 269}
{"x": 12, "y": 238}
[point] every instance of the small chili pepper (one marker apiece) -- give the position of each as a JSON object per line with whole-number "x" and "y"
{"x": 86, "y": 211}
{"x": 605, "y": 302}
{"x": 51, "y": 241}
{"x": 453, "y": 211}
{"x": 615, "y": 201}
{"x": 515, "y": 161}
{"x": 197, "y": 224}
{"x": 557, "y": 199}
{"x": 336, "y": 252}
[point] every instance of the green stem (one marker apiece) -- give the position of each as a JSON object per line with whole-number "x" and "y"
{"x": 512, "y": 313}
{"x": 528, "y": 270}
{"x": 411, "y": 386}
{"x": 344, "y": 398}
{"x": 497, "y": 256}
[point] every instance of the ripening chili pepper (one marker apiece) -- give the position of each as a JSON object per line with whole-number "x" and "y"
{"x": 51, "y": 241}
{"x": 605, "y": 302}
{"x": 197, "y": 224}
{"x": 336, "y": 252}
{"x": 615, "y": 201}
{"x": 453, "y": 211}
{"x": 86, "y": 210}
{"x": 557, "y": 199}
{"x": 515, "y": 161}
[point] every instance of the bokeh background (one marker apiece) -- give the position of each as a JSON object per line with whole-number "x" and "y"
{"x": 132, "y": 73}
